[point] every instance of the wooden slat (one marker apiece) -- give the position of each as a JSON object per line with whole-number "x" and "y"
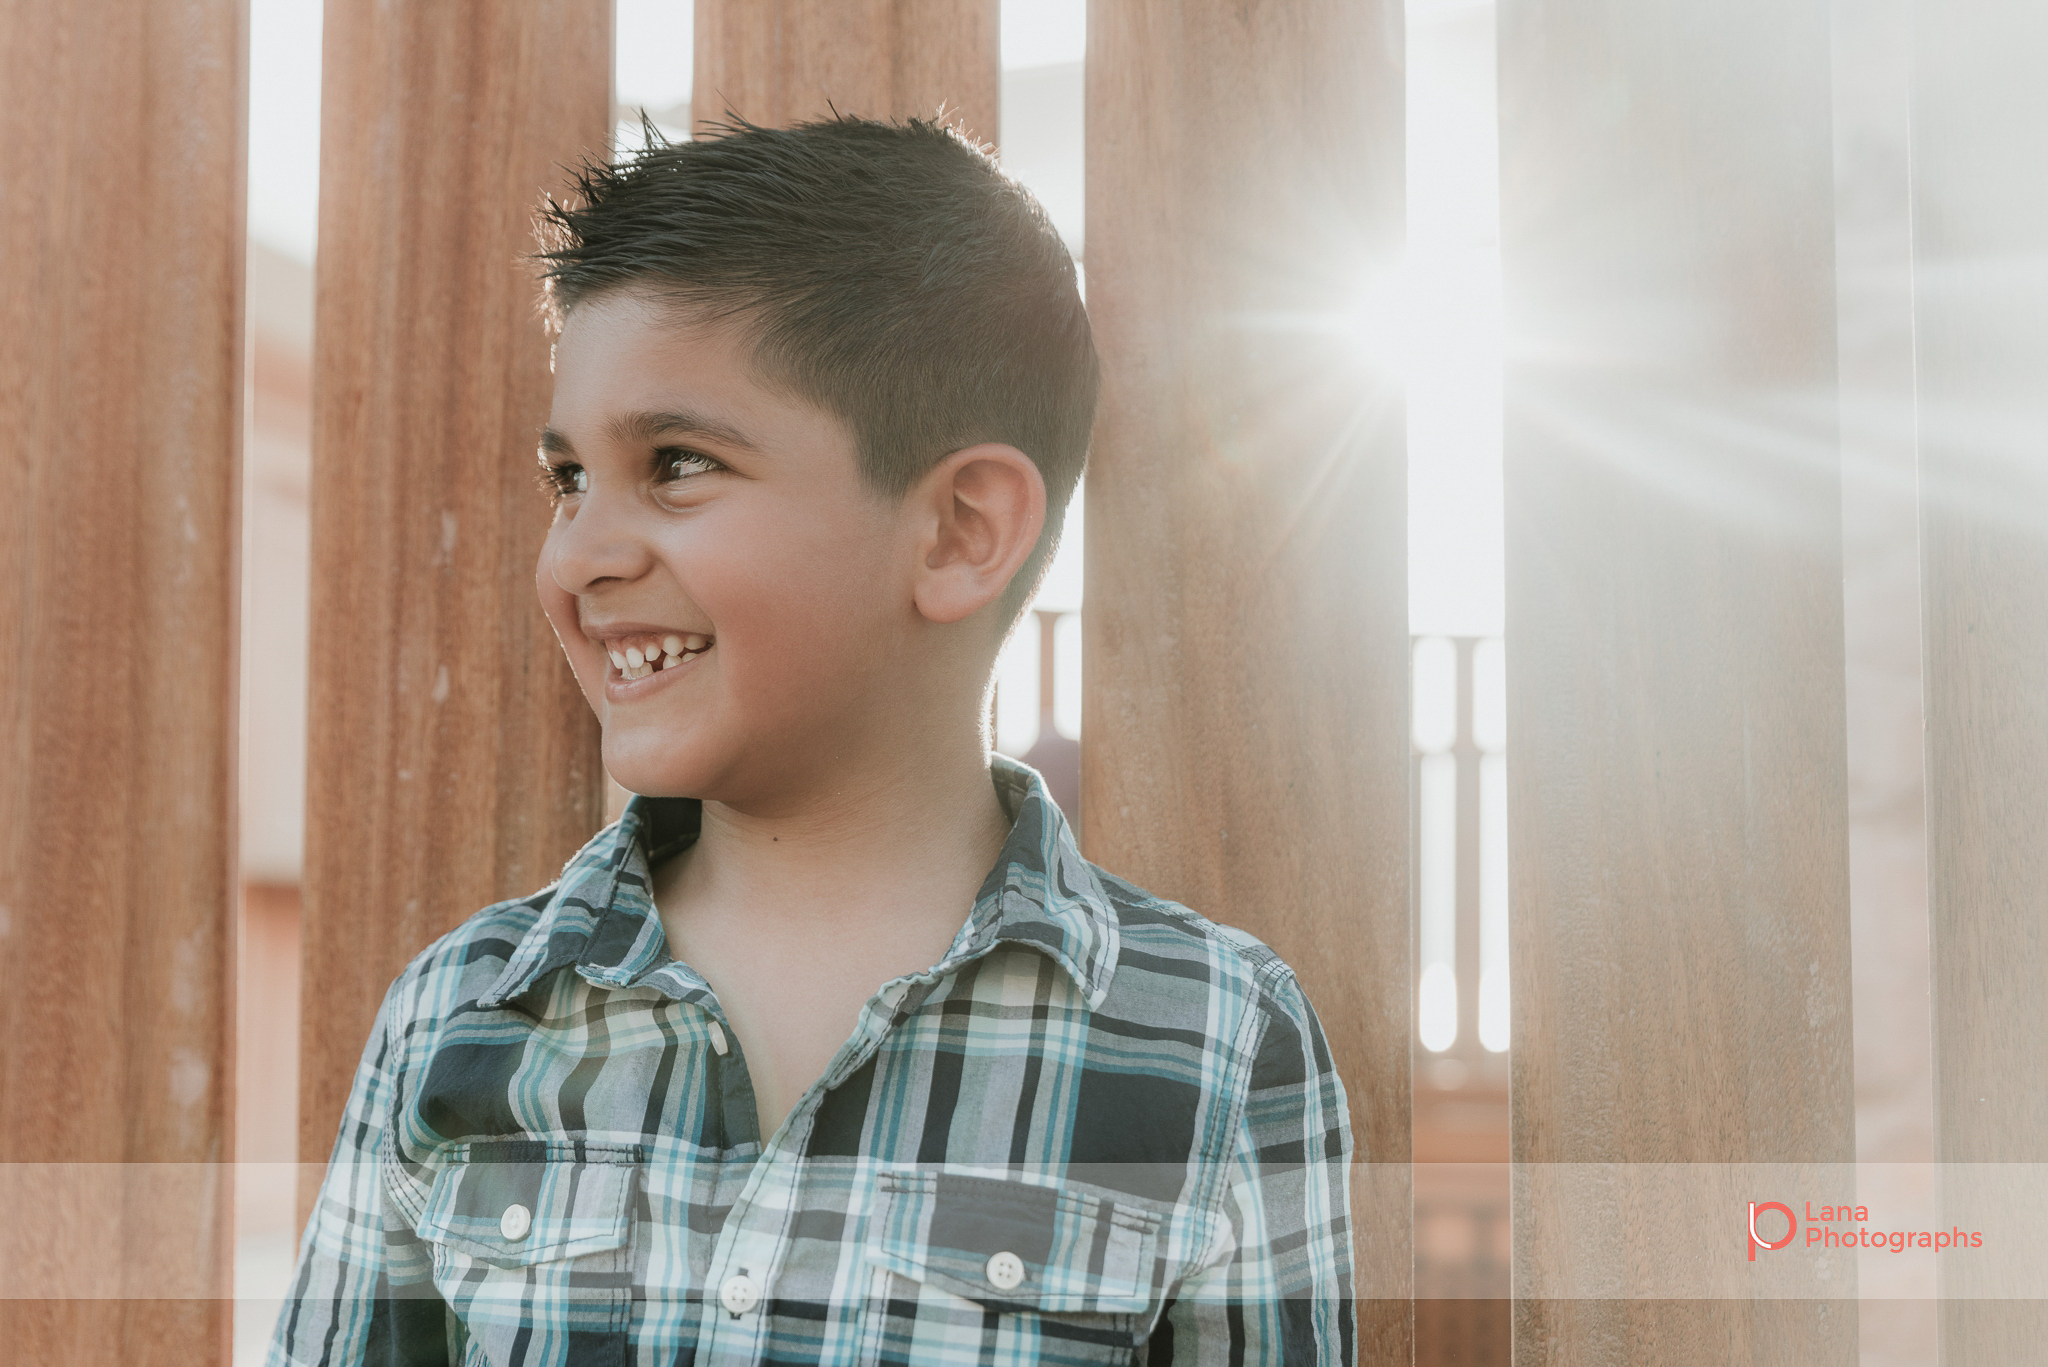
{"x": 1245, "y": 668}
{"x": 120, "y": 382}
{"x": 452, "y": 761}
{"x": 1980, "y": 138}
{"x": 1676, "y": 810}
{"x": 774, "y": 62}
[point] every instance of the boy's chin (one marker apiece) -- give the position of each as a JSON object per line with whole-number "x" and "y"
{"x": 652, "y": 769}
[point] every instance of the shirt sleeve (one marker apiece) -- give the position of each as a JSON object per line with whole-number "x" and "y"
{"x": 363, "y": 1290}
{"x": 1284, "y": 1293}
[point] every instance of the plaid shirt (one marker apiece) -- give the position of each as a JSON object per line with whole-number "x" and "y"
{"x": 1101, "y": 1129}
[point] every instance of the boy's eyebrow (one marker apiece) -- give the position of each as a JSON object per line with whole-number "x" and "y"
{"x": 640, "y": 427}
{"x": 632, "y": 427}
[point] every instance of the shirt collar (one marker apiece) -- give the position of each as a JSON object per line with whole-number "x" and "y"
{"x": 600, "y": 917}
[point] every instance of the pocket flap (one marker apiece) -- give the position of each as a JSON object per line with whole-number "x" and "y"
{"x": 1079, "y": 1251}
{"x": 514, "y": 1203}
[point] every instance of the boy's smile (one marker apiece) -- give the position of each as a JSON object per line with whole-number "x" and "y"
{"x": 637, "y": 654}
{"x": 729, "y": 591}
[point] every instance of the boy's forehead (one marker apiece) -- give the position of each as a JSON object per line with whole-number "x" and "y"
{"x": 635, "y": 345}
{"x": 628, "y": 369}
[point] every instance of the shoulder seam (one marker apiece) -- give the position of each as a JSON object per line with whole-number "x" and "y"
{"x": 1268, "y": 969}
{"x": 435, "y": 951}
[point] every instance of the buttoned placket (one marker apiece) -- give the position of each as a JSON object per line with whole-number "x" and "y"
{"x": 750, "y": 1248}
{"x": 749, "y": 1251}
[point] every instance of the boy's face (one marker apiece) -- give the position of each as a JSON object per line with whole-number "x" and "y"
{"x": 717, "y": 528}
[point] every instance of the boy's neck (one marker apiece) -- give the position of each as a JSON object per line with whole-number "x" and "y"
{"x": 796, "y": 916}
{"x": 912, "y": 829}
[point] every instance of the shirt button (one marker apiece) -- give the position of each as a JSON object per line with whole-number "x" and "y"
{"x": 514, "y": 1223}
{"x": 1006, "y": 1272}
{"x": 739, "y": 1294}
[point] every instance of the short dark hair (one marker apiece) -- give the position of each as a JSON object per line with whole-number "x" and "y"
{"x": 891, "y": 273}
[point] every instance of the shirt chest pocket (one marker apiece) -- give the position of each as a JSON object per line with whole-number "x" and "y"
{"x": 1072, "y": 1274}
{"x": 531, "y": 1243}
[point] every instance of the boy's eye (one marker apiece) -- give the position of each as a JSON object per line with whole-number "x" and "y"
{"x": 680, "y": 464}
{"x": 563, "y": 481}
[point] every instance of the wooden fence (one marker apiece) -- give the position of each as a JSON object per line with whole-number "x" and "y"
{"x": 1677, "y": 809}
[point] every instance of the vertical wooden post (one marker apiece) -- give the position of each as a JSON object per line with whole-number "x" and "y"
{"x": 1246, "y": 662}
{"x": 775, "y": 62}
{"x": 1980, "y": 130}
{"x": 452, "y": 761}
{"x": 1677, "y": 812}
{"x": 120, "y": 405}
{"x": 1898, "y": 1316}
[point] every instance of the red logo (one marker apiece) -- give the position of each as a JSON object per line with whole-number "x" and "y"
{"x": 1757, "y": 1241}
{"x": 1823, "y": 1231}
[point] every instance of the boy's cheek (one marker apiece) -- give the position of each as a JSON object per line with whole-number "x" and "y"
{"x": 585, "y": 660}
{"x": 796, "y": 651}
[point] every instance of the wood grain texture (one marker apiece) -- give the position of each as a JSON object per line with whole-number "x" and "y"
{"x": 775, "y": 62}
{"x": 1677, "y": 819}
{"x": 120, "y": 402}
{"x": 1980, "y": 231}
{"x": 452, "y": 761}
{"x": 1245, "y": 676}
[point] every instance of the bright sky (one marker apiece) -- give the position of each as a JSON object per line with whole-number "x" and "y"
{"x": 284, "y": 124}
{"x": 1451, "y": 338}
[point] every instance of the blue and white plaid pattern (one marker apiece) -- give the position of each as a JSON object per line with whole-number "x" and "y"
{"x": 1100, "y": 1130}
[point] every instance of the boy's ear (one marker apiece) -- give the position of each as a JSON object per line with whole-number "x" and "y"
{"x": 980, "y": 511}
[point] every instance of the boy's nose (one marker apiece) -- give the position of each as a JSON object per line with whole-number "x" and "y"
{"x": 592, "y": 544}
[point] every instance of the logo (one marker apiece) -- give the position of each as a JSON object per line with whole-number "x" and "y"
{"x": 1823, "y": 1230}
{"x": 1757, "y": 1240}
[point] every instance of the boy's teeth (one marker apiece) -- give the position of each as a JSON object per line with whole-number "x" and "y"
{"x": 639, "y": 660}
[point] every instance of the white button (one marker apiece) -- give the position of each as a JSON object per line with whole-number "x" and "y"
{"x": 514, "y": 1223}
{"x": 718, "y": 1044}
{"x": 1006, "y": 1272}
{"x": 739, "y": 1294}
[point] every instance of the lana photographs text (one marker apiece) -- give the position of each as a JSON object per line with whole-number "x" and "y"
{"x": 1845, "y": 1227}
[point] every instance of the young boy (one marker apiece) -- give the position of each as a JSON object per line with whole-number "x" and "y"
{"x": 833, "y": 1049}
